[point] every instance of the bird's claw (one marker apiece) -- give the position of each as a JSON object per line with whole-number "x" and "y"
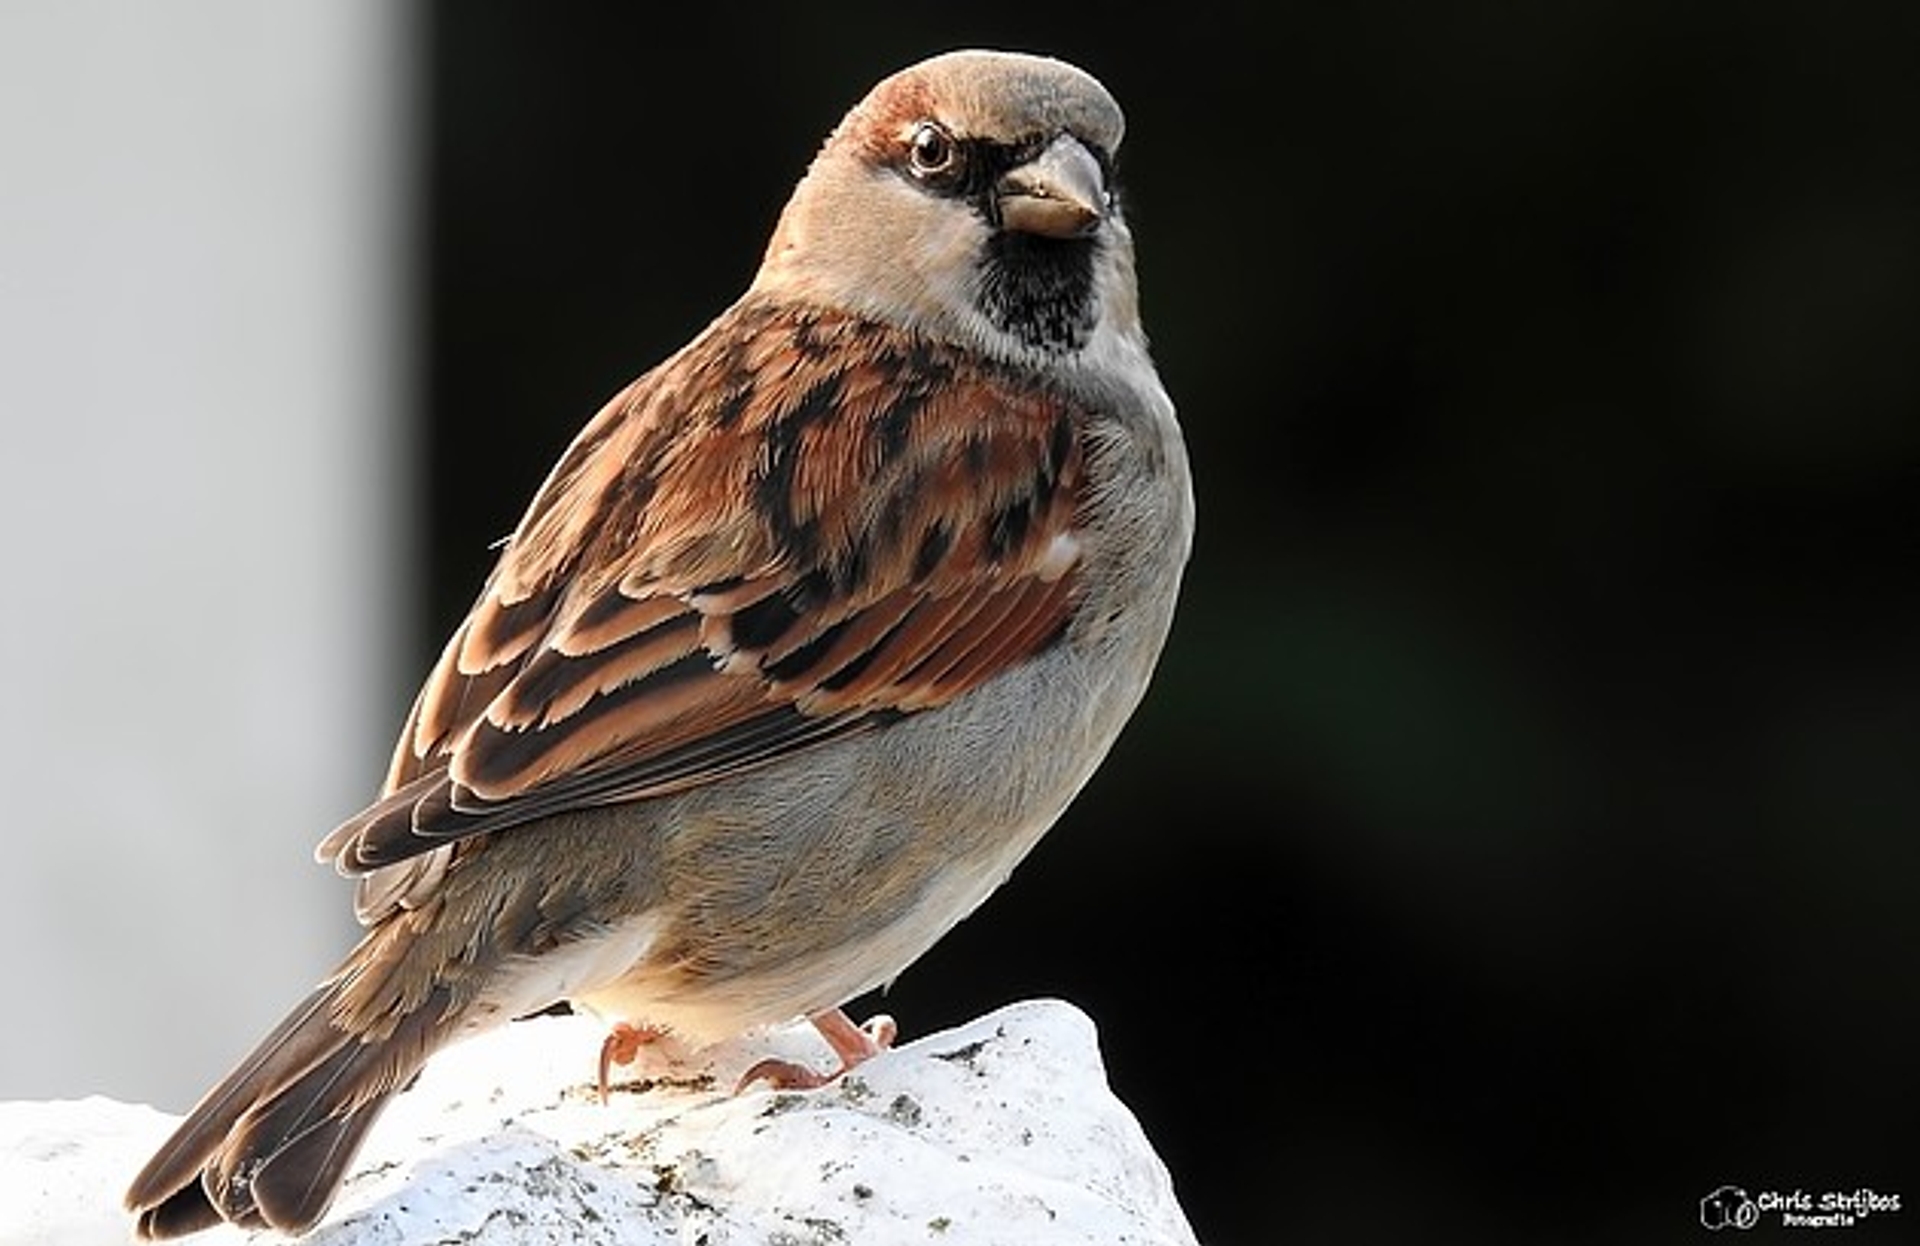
{"x": 854, "y": 1044}
{"x": 622, "y": 1044}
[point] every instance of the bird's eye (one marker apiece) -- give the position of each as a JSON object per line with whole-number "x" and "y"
{"x": 932, "y": 151}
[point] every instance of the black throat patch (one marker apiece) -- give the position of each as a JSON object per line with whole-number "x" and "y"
{"x": 1040, "y": 290}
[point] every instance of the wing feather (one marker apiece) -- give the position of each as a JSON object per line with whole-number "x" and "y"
{"x": 801, "y": 526}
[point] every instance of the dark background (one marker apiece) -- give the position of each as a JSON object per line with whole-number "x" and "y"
{"x": 1519, "y": 840}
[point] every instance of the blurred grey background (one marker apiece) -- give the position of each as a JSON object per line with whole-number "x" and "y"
{"x": 205, "y": 459}
{"x": 1520, "y": 837}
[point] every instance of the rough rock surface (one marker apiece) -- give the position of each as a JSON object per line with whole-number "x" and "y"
{"x": 999, "y": 1131}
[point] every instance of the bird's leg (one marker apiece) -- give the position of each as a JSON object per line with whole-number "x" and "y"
{"x": 623, "y": 1043}
{"x": 855, "y": 1043}
{"x": 852, "y": 1043}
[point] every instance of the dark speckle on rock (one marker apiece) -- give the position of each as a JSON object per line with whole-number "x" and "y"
{"x": 904, "y": 1110}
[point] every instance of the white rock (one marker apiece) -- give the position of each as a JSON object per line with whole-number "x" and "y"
{"x": 1000, "y": 1131}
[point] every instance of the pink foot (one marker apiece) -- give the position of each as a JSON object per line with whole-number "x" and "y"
{"x": 852, "y": 1043}
{"x": 623, "y": 1044}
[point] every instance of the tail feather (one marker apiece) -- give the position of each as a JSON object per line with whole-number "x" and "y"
{"x": 269, "y": 1146}
{"x": 294, "y": 1189}
{"x": 294, "y": 1047}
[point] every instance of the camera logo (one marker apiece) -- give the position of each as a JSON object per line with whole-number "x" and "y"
{"x": 1729, "y": 1205}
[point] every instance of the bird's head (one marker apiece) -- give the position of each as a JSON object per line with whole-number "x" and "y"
{"x": 969, "y": 197}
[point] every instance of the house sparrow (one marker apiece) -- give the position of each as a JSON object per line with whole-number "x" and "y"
{"x": 811, "y": 634}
